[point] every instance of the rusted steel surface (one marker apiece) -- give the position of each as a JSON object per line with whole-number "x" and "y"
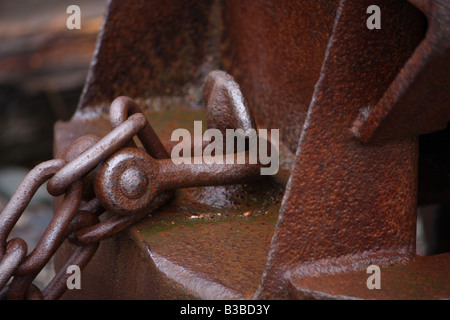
{"x": 188, "y": 249}
{"x": 352, "y": 199}
{"x": 275, "y": 51}
{"x": 152, "y": 69}
{"x": 336, "y": 208}
{"x": 417, "y": 100}
{"x": 420, "y": 279}
{"x": 227, "y": 108}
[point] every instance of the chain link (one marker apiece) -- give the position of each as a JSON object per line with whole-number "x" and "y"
{"x": 75, "y": 220}
{"x": 92, "y": 176}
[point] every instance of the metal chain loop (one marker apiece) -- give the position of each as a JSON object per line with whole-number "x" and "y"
{"x": 15, "y": 252}
{"x": 89, "y": 159}
{"x": 22, "y": 197}
{"x": 75, "y": 220}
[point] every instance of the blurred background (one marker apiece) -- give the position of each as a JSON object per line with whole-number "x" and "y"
{"x": 43, "y": 67}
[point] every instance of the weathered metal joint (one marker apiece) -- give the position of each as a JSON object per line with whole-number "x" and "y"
{"x": 130, "y": 180}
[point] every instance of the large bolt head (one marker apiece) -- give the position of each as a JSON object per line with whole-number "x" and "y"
{"x": 127, "y": 182}
{"x": 133, "y": 182}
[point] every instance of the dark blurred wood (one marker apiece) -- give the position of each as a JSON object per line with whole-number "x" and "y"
{"x": 43, "y": 67}
{"x": 38, "y": 52}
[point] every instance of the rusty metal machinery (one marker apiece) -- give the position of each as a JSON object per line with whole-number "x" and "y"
{"x": 362, "y": 115}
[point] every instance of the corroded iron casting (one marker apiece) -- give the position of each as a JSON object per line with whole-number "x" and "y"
{"x": 363, "y": 117}
{"x": 350, "y": 103}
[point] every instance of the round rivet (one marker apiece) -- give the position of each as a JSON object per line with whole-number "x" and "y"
{"x": 133, "y": 182}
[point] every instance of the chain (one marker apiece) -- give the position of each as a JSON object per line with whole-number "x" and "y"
{"x": 103, "y": 186}
{"x": 76, "y": 219}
